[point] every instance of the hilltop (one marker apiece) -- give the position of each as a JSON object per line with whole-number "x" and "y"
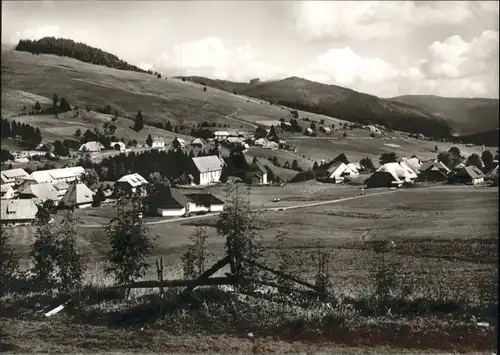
{"x": 466, "y": 115}
{"x": 77, "y": 50}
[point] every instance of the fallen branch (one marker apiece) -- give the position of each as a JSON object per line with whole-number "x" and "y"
{"x": 285, "y": 276}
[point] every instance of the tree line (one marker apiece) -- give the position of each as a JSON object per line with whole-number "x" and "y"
{"x": 77, "y": 50}
{"x": 30, "y": 135}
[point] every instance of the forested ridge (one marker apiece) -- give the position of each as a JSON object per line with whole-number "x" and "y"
{"x": 77, "y": 50}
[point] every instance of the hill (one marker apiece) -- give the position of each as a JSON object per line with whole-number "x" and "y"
{"x": 343, "y": 103}
{"x": 77, "y": 50}
{"x": 467, "y": 116}
{"x": 28, "y": 78}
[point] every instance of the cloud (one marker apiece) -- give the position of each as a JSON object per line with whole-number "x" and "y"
{"x": 363, "y": 20}
{"x": 453, "y": 67}
{"x": 210, "y": 57}
{"x": 455, "y": 58}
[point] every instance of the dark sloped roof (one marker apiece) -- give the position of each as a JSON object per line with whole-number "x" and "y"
{"x": 169, "y": 197}
{"x": 204, "y": 199}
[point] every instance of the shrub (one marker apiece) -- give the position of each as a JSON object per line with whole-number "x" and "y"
{"x": 195, "y": 257}
{"x": 129, "y": 241}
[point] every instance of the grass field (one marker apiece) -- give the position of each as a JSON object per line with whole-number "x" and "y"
{"x": 159, "y": 99}
{"x": 445, "y": 260}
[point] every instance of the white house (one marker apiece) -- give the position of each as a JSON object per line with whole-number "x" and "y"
{"x": 219, "y": 135}
{"x": 356, "y": 167}
{"x": 271, "y": 145}
{"x": 132, "y": 181}
{"x": 373, "y": 129}
{"x": 260, "y": 142}
{"x": 56, "y": 175}
{"x": 207, "y": 170}
{"x": 158, "y": 143}
{"x": 326, "y": 130}
{"x": 7, "y": 192}
{"x": 118, "y": 146}
{"x": 198, "y": 142}
{"x": 13, "y": 176}
{"x": 91, "y": 147}
{"x": 339, "y": 171}
{"x": 170, "y": 202}
{"x": 17, "y": 212}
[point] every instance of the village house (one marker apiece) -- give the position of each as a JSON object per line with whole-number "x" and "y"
{"x": 198, "y": 142}
{"x": 55, "y": 175}
{"x": 469, "y": 175}
{"x": 17, "y": 212}
{"x": 12, "y": 177}
{"x": 203, "y": 203}
{"x": 118, "y": 146}
{"x": 326, "y": 130}
{"x": 270, "y": 145}
{"x": 256, "y": 175}
{"x": 170, "y": 202}
{"x": 77, "y": 196}
{"x": 158, "y": 143}
{"x": 91, "y": 147}
{"x": 433, "y": 171}
{"x": 132, "y": 182}
{"x": 178, "y": 143}
{"x": 7, "y": 192}
{"x": 40, "y": 193}
{"x": 373, "y": 129}
{"x": 338, "y": 171}
{"x": 389, "y": 175}
{"x": 221, "y": 135}
{"x": 260, "y": 142}
{"x": 207, "y": 170}
{"x": 356, "y": 167}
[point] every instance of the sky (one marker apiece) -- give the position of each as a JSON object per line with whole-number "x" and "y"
{"x": 382, "y": 48}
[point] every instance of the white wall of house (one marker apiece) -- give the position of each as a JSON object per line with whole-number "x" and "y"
{"x": 478, "y": 181}
{"x": 264, "y": 178}
{"x": 171, "y": 212}
{"x": 194, "y": 208}
{"x": 158, "y": 144}
{"x": 216, "y": 208}
{"x": 210, "y": 177}
{"x": 84, "y": 205}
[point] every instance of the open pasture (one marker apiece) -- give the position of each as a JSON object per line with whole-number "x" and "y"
{"x": 127, "y": 92}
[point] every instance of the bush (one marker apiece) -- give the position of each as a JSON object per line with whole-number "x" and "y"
{"x": 56, "y": 261}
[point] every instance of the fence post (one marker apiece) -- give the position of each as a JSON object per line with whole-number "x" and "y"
{"x": 161, "y": 277}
